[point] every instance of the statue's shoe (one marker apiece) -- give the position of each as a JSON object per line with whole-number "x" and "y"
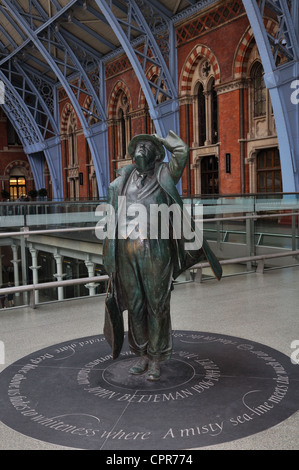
{"x": 153, "y": 372}
{"x": 140, "y": 366}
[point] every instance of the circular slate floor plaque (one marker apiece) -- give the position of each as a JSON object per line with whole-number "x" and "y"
{"x": 214, "y": 389}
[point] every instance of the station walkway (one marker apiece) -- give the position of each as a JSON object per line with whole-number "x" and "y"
{"x": 257, "y": 307}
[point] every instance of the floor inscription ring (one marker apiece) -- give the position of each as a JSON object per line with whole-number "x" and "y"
{"x": 214, "y": 389}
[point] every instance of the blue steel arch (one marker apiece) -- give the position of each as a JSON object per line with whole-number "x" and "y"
{"x": 164, "y": 115}
{"x": 19, "y": 81}
{"x": 96, "y": 134}
{"x": 45, "y": 31}
{"x": 32, "y": 139}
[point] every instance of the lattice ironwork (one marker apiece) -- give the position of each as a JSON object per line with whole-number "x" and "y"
{"x": 117, "y": 66}
{"x": 228, "y": 11}
{"x": 18, "y": 116}
{"x": 60, "y": 56}
{"x": 40, "y": 106}
{"x": 283, "y": 43}
{"x": 132, "y": 24}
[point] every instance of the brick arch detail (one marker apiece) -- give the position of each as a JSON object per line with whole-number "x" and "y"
{"x": 119, "y": 86}
{"x": 21, "y": 163}
{"x": 245, "y": 47}
{"x": 67, "y": 110}
{"x": 199, "y": 52}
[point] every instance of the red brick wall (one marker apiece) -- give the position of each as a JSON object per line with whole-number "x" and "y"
{"x": 229, "y": 131}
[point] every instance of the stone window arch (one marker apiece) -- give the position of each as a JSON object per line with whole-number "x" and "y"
{"x": 72, "y": 157}
{"x": 120, "y": 120}
{"x": 259, "y": 91}
{"x": 123, "y": 124}
{"x": 205, "y": 105}
{"x": 72, "y": 141}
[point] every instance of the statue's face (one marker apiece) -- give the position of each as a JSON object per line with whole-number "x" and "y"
{"x": 145, "y": 156}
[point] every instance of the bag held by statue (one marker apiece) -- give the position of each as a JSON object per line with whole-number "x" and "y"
{"x": 114, "y": 323}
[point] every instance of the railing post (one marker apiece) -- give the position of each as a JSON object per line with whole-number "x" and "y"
{"x": 32, "y": 303}
{"x": 15, "y": 261}
{"x": 1, "y": 275}
{"x": 34, "y": 268}
{"x": 24, "y": 263}
{"x": 90, "y": 286}
{"x": 59, "y": 275}
{"x": 294, "y": 231}
{"x": 249, "y": 241}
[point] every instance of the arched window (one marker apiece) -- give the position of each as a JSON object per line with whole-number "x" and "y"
{"x": 201, "y": 112}
{"x": 214, "y": 112}
{"x": 72, "y": 141}
{"x": 17, "y": 187}
{"x": 209, "y": 175}
{"x": 73, "y": 176}
{"x": 269, "y": 171}
{"x": 122, "y": 133}
{"x": 259, "y": 90}
{"x": 123, "y": 124}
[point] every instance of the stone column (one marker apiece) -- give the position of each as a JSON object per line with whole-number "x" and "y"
{"x": 34, "y": 268}
{"x": 15, "y": 261}
{"x": 59, "y": 275}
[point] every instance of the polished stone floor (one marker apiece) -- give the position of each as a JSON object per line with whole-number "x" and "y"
{"x": 257, "y": 307}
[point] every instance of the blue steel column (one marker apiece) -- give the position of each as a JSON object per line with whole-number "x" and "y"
{"x": 282, "y": 81}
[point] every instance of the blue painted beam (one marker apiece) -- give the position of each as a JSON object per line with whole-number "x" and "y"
{"x": 93, "y": 34}
{"x": 36, "y": 161}
{"x": 157, "y": 112}
{"x": 31, "y": 138}
{"x": 41, "y": 28}
{"x": 159, "y": 8}
{"x": 41, "y": 44}
{"x": 39, "y": 98}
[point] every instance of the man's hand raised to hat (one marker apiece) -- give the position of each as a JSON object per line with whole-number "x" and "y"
{"x": 171, "y": 142}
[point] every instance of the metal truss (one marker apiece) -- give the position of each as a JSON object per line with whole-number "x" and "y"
{"x": 34, "y": 144}
{"x": 145, "y": 30}
{"x": 67, "y": 68}
{"x": 161, "y": 93}
{"x": 30, "y": 114}
{"x": 280, "y": 58}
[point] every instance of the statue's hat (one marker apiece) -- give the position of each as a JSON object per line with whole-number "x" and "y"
{"x": 152, "y": 138}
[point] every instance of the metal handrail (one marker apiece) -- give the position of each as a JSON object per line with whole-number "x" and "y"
{"x": 52, "y": 284}
{"x": 81, "y": 229}
{"x": 105, "y": 277}
{"x": 246, "y": 259}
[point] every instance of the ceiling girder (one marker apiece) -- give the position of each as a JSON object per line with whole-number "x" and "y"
{"x": 124, "y": 28}
{"x": 48, "y": 44}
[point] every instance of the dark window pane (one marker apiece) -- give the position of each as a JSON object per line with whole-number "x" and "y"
{"x": 259, "y": 89}
{"x": 268, "y": 171}
{"x": 209, "y": 175}
{"x": 201, "y": 103}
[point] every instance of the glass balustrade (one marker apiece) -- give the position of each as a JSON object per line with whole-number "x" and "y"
{"x": 61, "y": 244}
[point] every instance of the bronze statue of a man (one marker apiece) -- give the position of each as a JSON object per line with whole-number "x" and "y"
{"x": 141, "y": 263}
